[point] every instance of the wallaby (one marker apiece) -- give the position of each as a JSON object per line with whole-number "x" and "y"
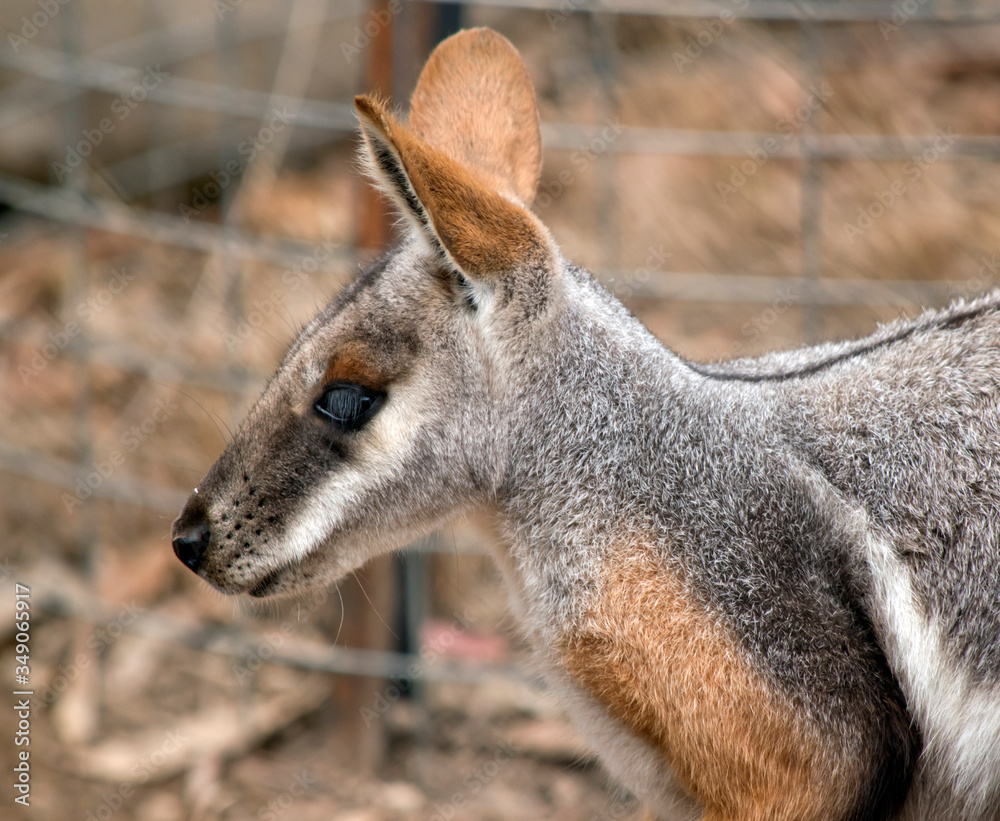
{"x": 764, "y": 589}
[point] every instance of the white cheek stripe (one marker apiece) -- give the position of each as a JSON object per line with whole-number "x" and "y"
{"x": 323, "y": 511}
{"x": 960, "y": 721}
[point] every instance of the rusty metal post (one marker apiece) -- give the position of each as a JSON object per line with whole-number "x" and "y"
{"x": 373, "y": 227}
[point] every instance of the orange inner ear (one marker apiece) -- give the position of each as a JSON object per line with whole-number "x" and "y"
{"x": 485, "y": 234}
{"x": 474, "y": 102}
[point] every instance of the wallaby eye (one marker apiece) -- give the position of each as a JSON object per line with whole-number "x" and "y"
{"x": 348, "y": 406}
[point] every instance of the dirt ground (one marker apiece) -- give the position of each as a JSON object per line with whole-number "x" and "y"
{"x": 190, "y": 734}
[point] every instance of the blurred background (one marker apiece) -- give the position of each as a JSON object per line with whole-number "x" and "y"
{"x": 179, "y": 194}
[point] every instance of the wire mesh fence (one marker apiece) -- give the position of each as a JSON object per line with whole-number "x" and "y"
{"x": 188, "y": 169}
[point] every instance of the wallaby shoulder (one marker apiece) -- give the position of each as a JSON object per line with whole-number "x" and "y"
{"x": 902, "y": 430}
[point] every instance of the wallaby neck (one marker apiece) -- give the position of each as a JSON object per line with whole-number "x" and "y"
{"x": 594, "y": 412}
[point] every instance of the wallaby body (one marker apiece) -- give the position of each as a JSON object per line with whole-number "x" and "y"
{"x": 765, "y": 589}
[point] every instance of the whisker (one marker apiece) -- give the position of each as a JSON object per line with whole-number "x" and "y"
{"x": 375, "y": 609}
{"x": 286, "y": 317}
{"x": 209, "y": 414}
{"x": 340, "y": 626}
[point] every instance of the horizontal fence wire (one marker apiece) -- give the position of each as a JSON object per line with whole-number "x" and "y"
{"x": 65, "y": 598}
{"x": 828, "y": 11}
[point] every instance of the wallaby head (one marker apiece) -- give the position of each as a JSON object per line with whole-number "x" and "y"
{"x": 383, "y": 420}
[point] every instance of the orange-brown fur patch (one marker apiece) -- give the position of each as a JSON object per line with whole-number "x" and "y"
{"x": 474, "y": 101}
{"x": 485, "y": 234}
{"x": 669, "y": 672}
{"x": 352, "y": 363}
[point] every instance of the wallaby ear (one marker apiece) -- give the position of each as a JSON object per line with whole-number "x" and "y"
{"x": 474, "y": 101}
{"x": 484, "y": 234}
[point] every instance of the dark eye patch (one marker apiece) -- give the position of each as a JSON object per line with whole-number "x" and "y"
{"x": 347, "y": 405}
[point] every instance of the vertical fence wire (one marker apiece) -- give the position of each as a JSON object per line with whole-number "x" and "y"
{"x": 810, "y": 226}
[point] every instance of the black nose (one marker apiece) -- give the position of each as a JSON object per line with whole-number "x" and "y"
{"x": 191, "y": 542}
